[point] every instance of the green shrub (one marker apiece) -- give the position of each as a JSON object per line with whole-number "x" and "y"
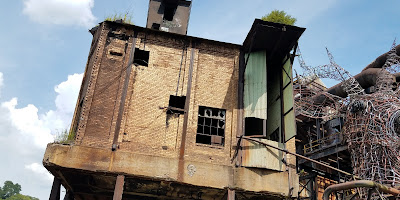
{"x": 279, "y": 16}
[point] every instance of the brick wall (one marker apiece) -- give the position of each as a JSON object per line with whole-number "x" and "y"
{"x": 214, "y": 85}
{"x": 146, "y": 128}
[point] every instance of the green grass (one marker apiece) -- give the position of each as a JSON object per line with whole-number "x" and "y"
{"x": 65, "y": 137}
{"x": 119, "y": 16}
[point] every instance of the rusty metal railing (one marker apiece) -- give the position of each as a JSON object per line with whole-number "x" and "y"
{"x": 323, "y": 142}
{"x": 300, "y": 156}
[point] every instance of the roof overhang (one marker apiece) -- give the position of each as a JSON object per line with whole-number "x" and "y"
{"x": 276, "y": 39}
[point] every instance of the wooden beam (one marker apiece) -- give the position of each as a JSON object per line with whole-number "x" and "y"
{"x": 119, "y": 187}
{"x": 55, "y": 189}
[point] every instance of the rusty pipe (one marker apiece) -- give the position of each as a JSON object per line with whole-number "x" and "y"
{"x": 365, "y": 78}
{"x": 380, "y": 61}
{"x": 357, "y": 184}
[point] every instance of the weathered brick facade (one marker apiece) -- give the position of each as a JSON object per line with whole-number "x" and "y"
{"x": 146, "y": 127}
{"x": 124, "y": 122}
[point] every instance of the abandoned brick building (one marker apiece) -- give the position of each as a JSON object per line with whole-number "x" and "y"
{"x": 164, "y": 115}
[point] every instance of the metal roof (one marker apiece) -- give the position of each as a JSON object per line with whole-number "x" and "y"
{"x": 276, "y": 39}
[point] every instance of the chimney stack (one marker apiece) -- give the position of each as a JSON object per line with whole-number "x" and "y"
{"x": 169, "y": 15}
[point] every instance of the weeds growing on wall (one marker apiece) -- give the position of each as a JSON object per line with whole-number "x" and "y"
{"x": 126, "y": 18}
{"x": 65, "y": 137}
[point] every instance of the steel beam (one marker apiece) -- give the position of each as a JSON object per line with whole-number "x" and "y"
{"x": 119, "y": 187}
{"x": 55, "y": 189}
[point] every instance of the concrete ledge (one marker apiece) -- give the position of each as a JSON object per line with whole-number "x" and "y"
{"x": 120, "y": 162}
{"x": 80, "y": 161}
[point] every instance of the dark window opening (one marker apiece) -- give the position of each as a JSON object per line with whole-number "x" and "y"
{"x": 176, "y": 104}
{"x": 274, "y": 135}
{"x": 141, "y": 57}
{"x": 169, "y": 12}
{"x": 115, "y": 53}
{"x": 211, "y": 126}
{"x": 253, "y": 126}
{"x": 81, "y": 102}
{"x": 155, "y": 26}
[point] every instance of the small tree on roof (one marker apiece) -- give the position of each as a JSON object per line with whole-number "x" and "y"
{"x": 279, "y": 16}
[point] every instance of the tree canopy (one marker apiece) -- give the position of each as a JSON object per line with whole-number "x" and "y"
{"x": 279, "y": 16}
{"x": 10, "y": 191}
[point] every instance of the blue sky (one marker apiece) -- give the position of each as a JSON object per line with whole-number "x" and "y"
{"x": 45, "y": 44}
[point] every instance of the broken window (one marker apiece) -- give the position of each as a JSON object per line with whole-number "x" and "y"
{"x": 141, "y": 57}
{"x": 169, "y": 12}
{"x": 254, "y": 126}
{"x": 211, "y": 126}
{"x": 176, "y": 104}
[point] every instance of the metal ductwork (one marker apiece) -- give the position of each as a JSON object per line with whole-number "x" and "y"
{"x": 367, "y": 77}
{"x": 378, "y": 62}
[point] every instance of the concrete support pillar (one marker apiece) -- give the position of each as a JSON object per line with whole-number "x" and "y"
{"x": 119, "y": 187}
{"x": 231, "y": 194}
{"x": 55, "y": 189}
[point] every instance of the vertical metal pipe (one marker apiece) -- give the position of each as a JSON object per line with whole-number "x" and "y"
{"x": 282, "y": 103}
{"x": 123, "y": 95}
{"x": 187, "y": 102}
{"x": 186, "y": 117}
{"x": 240, "y": 119}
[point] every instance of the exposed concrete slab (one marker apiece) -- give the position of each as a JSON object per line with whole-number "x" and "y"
{"x": 101, "y": 165}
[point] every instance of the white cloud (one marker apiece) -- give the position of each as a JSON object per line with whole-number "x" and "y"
{"x": 27, "y": 122}
{"x": 24, "y": 134}
{"x": 41, "y": 128}
{"x": 65, "y": 102}
{"x": 39, "y": 169}
{"x": 61, "y": 12}
{"x": 67, "y": 94}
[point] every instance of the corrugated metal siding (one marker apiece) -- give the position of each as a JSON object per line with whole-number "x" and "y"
{"x": 255, "y": 86}
{"x": 257, "y": 155}
{"x": 289, "y": 118}
{"x": 274, "y": 100}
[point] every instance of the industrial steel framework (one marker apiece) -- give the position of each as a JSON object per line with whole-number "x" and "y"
{"x": 372, "y": 121}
